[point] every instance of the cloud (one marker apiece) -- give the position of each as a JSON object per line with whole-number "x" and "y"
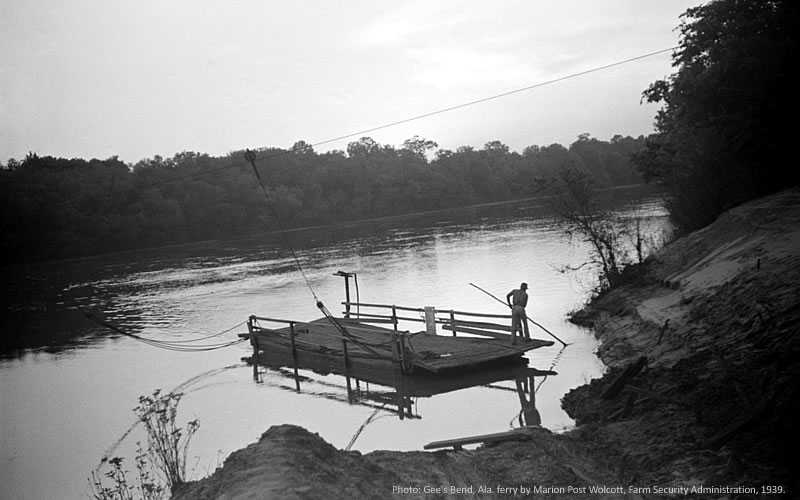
{"x": 89, "y": 78}
{"x": 413, "y": 23}
{"x": 458, "y": 67}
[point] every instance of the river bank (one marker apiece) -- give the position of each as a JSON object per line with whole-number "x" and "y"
{"x": 715, "y": 315}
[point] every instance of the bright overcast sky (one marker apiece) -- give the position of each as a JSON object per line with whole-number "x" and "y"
{"x": 97, "y": 78}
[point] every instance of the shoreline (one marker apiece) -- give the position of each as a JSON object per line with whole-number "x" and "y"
{"x": 714, "y": 314}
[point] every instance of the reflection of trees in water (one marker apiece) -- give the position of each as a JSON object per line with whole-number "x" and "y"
{"x": 41, "y": 315}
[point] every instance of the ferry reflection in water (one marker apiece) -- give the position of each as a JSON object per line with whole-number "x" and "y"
{"x": 393, "y": 392}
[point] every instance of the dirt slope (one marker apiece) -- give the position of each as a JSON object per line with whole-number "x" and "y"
{"x": 716, "y": 314}
{"x": 289, "y": 462}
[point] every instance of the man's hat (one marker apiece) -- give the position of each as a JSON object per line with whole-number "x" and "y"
{"x": 524, "y": 286}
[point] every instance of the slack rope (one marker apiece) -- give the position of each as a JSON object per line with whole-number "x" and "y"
{"x": 175, "y": 345}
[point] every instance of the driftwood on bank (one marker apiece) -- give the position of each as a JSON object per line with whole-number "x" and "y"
{"x": 521, "y": 434}
{"x": 620, "y": 382}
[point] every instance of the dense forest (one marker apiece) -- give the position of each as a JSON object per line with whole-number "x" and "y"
{"x": 724, "y": 133}
{"x": 55, "y": 207}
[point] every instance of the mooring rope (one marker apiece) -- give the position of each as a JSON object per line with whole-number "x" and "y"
{"x": 250, "y": 156}
{"x": 347, "y": 334}
{"x": 363, "y": 426}
{"x": 171, "y": 345}
{"x": 179, "y": 389}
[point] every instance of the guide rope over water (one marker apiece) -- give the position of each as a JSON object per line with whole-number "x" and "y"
{"x": 170, "y": 345}
{"x": 250, "y": 156}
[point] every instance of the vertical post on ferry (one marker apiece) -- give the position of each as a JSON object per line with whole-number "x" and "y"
{"x": 294, "y": 356}
{"x": 346, "y": 361}
{"x": 253, "y": 342}
{"x": 430, "y": 320}
{"x": 346, "y": 277}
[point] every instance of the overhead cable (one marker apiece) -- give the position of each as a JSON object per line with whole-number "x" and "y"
{"x": 403, "y": 121}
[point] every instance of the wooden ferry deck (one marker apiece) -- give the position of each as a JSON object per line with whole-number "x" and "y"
{"x": 365, "y": 345}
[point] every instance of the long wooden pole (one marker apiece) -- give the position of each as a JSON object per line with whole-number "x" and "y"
{"x": 529, "y": 319}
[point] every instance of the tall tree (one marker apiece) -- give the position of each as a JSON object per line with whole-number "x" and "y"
{"x": 721, "y": 134}
{"x": 419, "y": 147}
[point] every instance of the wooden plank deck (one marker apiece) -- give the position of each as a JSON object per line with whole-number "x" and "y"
{"x": 433, "y": 353}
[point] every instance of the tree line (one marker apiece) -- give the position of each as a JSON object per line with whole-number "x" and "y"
{"x": 56, "y": 208}
{"x": 721, "y": 139}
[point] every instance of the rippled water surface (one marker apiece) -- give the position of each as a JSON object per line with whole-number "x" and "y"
{"x": 69, "y": 385}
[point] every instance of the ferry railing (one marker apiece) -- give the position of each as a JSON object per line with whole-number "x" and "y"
{"x": 254, "y": 325}
{"x": 482, "y": 324}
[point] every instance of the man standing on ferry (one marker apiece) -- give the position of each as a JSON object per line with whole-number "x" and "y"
{"x": 517, "y": 300}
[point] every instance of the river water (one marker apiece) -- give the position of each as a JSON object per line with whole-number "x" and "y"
{"x": 69, "y": 386}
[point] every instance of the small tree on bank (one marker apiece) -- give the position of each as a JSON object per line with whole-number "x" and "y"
{"x": 167, "y": 444}
{"x": 162, "y": 462}
{"x": 614, "y": 243}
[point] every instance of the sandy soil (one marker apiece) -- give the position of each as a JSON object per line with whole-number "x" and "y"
{"x": 716, "y": 315}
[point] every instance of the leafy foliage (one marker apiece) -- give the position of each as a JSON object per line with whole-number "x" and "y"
{"x": 167, "y": 444}
{"x": 162, "y": 462}
{"x": 146, "y": 486}
{"x": 616, "y": 244}
{"x": 722, "y": 133}
{"x": 55, "y": 207}
{"x": 119, "y": 488}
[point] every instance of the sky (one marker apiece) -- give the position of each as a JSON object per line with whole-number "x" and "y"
{"x": 135, "y": 79}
